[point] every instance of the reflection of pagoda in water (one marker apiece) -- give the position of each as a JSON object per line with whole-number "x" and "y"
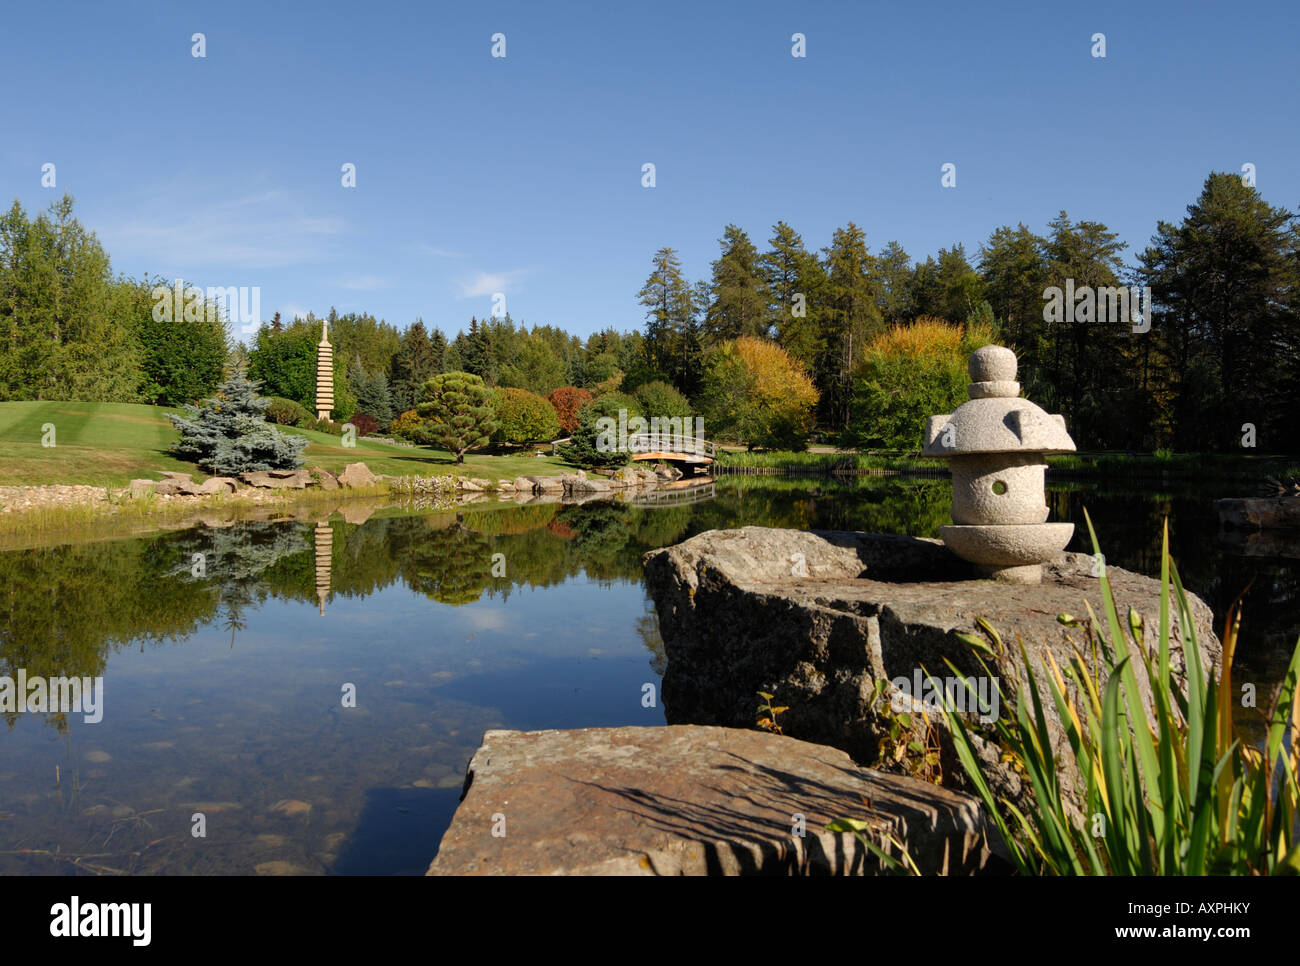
{"x": 324, "y": 539}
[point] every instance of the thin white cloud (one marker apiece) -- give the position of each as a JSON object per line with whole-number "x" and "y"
{"x": 198, "y": 237}
{"x": 434, "y": 252}
{"x": 489, "y": 283}
{"x": 364, "y": 283}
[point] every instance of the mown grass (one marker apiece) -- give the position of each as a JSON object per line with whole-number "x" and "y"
{"x": 109, "y": 444}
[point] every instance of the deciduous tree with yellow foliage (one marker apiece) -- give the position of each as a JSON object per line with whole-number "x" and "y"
{"x": 907, "y": 374}
{"x": 756, "y": 393}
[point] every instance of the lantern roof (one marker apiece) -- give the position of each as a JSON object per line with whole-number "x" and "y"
{"x": 996, "y": 419}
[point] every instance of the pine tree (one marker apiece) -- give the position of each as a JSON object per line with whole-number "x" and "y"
{"x": 227, "y": 434}
{"x": 894, "y": 268}
{"x": 1225, "y": 339}
{"x": 438, "y": 347}
{"x": 737, "y": 295}
{"x": 418, "y": 359}
{"x": 671, "y": 339}
{"x": 852, "y": 319}
{"x": 1015, "y": 274}
{"x": 796, "y": 289}
{"x": 459, "y": 407}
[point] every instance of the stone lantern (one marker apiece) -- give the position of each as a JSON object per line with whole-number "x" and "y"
{"x": 996, "y": 444}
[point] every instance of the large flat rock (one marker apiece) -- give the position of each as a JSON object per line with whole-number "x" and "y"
{"x": 682, "y": 800}
{"x": 816, "y": 618}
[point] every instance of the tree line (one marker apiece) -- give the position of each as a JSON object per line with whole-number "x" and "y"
{"x": 842, "y": 331}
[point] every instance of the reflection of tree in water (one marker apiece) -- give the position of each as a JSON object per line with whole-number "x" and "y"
{"x": 662, "y": 527}
{"x": 236, "y": 561}
{"x": 903, "y": 505}
{"x": 452, "y": 566}
{"x": 647, "y": 627}
{"x": 602, "y": 530}
{"x": 64, "y": 609}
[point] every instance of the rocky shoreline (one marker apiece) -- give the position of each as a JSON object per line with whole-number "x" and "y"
{"x": 179, "y": 490}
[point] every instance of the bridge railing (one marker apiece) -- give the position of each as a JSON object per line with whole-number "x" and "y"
{"x": 671, "y": 443}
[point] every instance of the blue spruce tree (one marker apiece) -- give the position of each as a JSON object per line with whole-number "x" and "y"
{"x": 228, "y": 434}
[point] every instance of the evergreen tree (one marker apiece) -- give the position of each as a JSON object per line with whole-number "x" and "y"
{"x": 371, "y": 391}
{"x": 1226, "y": 333}
{"x": 459, "y": 407}
{"x": 417, "y": 361}
{"x": 227, "y": 434}
{"x": 181, "y": 359}
{"x": 737, "y": 295}
{"x": 438, "y": 343}
{"x": 593, "y": 444}
{"x": 1082, "y": 374}
{"x": 1013, "y": 267}
{"x": 671, "y": 337}
{"x": 852, "y": 318}
{"x": 894, "y": 269}
{"x": 963, "y": 291}
{"x": 795, "y": 282}
{"x": 476, "y": 351}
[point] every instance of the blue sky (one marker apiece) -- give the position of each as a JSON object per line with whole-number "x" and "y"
{"x": 523, "y": 174}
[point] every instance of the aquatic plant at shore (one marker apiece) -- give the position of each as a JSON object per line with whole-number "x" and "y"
{"x": 1167, "y": 790}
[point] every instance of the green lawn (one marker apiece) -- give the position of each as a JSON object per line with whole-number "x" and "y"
{"x": 107, "y": 444}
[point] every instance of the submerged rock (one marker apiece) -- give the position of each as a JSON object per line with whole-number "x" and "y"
{"x": 816, "y": 618}
{"x": 692, "y": 801}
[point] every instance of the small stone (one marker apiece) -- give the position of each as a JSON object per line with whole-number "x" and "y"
{"x": 291, "y": 807}
{"x": 280, "y": 867}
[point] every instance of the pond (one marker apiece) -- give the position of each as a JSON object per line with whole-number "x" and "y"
{"x": 307, "y": 694}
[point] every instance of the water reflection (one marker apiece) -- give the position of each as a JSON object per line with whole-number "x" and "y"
{"x": 226, "y": 649}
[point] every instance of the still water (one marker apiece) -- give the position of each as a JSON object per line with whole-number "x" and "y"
{"x": 307, "y": 694}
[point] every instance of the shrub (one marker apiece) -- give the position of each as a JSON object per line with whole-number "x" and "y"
{"x": 568, "y": 401}
{"x": 908, "y": 374}
{"x": 286, "y": 412}
{"x": 228, "y": 433}
{"x": 364, "y": 423}
{"x": 325, "y": 426}
{"x": 592, "y": 445}
{"x": 406, "y": 424}
{"x": 659, "y": 399}
{"x": 525, "y": 417}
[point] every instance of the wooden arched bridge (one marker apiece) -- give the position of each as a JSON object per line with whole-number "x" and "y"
{"x": 672, "y": 448}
